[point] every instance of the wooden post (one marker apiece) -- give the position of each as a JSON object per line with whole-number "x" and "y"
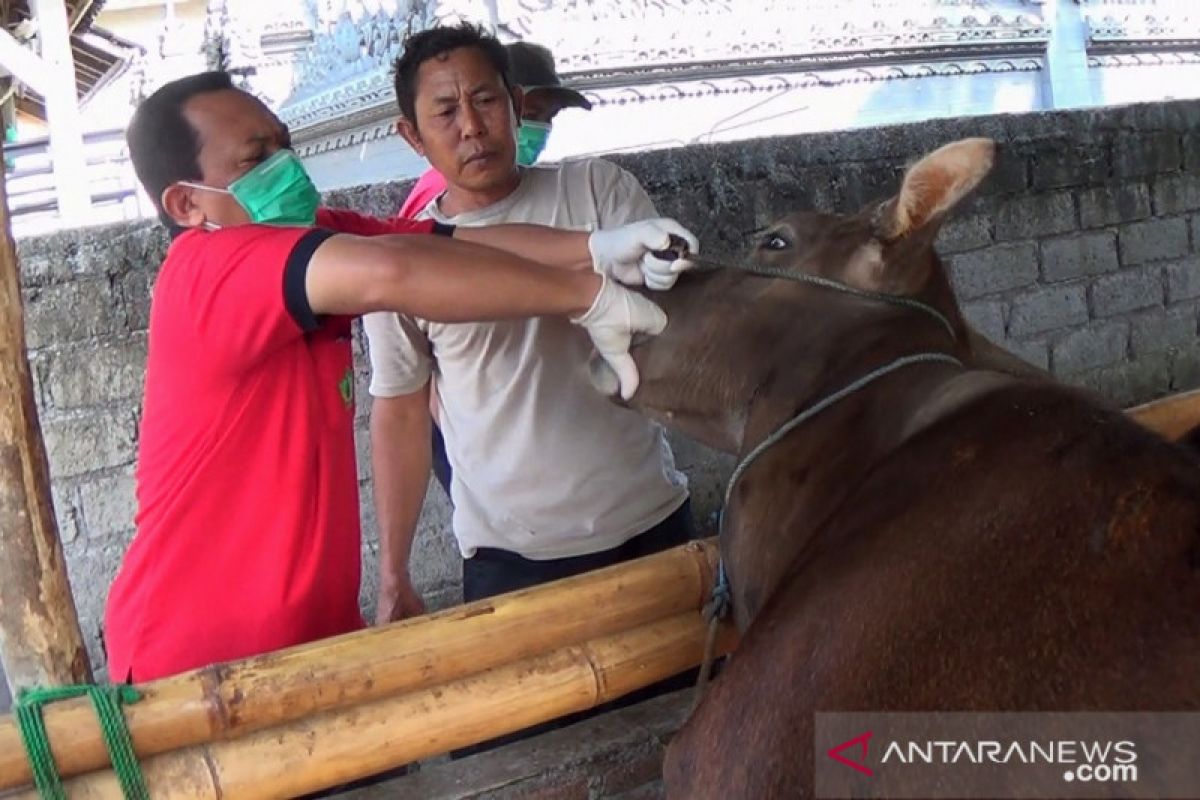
{"x": 40, "y": 640}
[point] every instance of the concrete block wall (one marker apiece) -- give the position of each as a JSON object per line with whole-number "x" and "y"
{"x": 1079, "y": 253}
{"x": 87, "y": 306}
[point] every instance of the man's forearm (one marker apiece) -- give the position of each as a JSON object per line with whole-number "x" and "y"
{"x": 551, "y": 246}
{"x": 440, "y": 279}
{"x": 400, "y": 462}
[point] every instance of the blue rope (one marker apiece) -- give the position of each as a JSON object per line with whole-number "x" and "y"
{"x": 765, "y": 271}
{"x": 720, "y": 600}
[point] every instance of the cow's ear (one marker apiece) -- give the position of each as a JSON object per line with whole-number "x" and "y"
{"x": 933, "y": 186}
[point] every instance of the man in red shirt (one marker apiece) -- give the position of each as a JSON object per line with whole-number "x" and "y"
{"x": 248, "y": 523}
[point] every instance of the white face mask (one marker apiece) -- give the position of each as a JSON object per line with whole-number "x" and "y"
{"x": 208, "y": 226}
{"x": 203, "y": 186}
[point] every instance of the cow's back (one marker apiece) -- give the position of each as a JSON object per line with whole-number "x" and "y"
{"x": 1032, "y": 551}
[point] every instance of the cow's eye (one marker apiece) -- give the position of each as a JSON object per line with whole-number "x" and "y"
{"x": 773, "y": 241}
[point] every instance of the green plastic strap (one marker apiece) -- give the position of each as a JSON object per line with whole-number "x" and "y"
{"x": 107, "y": 702}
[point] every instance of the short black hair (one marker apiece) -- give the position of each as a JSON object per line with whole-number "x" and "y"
{"x": 163, "y": 145}
{"x": 432, "y": 42}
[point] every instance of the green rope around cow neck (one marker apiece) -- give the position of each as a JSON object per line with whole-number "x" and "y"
{"x": 107, "y": 702}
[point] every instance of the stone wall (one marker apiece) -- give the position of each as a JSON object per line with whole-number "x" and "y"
{"x": 86, "y": 311}
{"x": 1079, "y": 253}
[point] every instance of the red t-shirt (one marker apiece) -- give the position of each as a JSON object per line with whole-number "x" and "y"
{"x": 429, "y": 186}
{"x": 248, "y": 522}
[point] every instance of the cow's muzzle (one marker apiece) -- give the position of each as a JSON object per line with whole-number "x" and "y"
{"x": 603, "y": 379}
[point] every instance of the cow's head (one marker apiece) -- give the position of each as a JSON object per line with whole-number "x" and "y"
{"x": 734, "y": 336}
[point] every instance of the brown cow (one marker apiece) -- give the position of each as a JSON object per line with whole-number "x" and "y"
{"x": 944, "y": 538}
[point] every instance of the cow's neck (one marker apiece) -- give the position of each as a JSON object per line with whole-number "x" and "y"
{"x": 794, "y": 488}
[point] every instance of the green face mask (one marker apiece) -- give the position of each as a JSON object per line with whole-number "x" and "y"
{"x": 531, "y": 141}
{"x": 276, "y": 192}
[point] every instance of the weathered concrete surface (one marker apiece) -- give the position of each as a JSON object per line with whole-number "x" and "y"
{"x": 1080, "y": 254}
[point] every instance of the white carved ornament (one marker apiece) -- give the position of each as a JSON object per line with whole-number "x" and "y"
{"x": 1132, "y": 21}
{"x": 346, "y": 71}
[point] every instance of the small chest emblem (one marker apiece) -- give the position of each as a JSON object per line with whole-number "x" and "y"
{"x": 346, "y": 388}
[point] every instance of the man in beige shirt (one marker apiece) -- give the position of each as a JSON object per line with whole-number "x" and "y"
{"x": 549, "y": 478}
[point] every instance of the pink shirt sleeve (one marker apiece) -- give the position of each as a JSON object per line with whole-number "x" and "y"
{"x": 429, "y": 186}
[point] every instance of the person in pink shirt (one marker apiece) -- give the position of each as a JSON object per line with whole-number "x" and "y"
{"x": 531, "y": 67}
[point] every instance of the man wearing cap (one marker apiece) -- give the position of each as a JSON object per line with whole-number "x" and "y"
{"x": 549, "y": 478}
{"x": 531, "y": 67}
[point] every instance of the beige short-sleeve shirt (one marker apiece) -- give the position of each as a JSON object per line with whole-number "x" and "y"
{"x": 543, "y": 465}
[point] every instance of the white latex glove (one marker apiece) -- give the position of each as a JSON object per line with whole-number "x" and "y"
{"x": 624, "y": 253}
{"x": 615, "y": 316}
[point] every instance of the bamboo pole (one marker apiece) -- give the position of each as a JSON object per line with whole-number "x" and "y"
{"x": 346, "y": 744}
{"x": 40, "y": 640}
{"x": 231, "y": 700}
{"x": 1171, "y": 417}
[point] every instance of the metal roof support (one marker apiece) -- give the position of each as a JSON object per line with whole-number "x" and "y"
{"x": 62, "y": 111}
{"x": 22, "y": 62}
{"x": 1067, "y": 82}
